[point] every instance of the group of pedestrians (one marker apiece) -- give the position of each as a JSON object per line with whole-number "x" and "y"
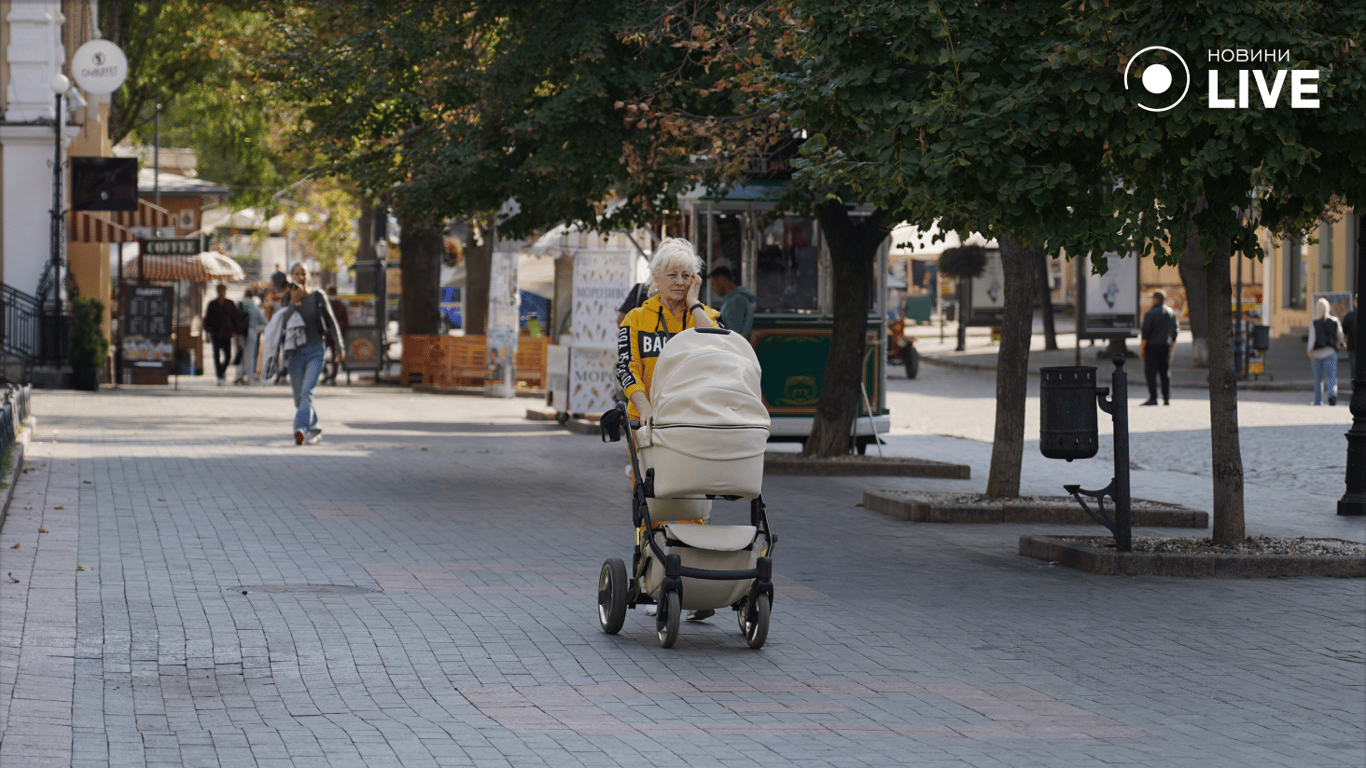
{"x": 300, "y": 323}
{"x": 1327, "y": 336}
{"x": 234, "y": 329}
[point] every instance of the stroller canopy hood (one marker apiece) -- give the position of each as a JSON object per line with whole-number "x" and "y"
{"x": 708, "y": 379}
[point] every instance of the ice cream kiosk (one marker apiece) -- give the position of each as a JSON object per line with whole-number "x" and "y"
{"x": 784, "y": 260}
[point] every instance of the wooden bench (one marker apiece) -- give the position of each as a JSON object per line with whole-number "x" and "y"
{"x": 446, "y": 361}
{"x": 530, "y": 361}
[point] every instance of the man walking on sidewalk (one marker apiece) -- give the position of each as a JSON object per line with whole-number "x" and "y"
{"x": 1158, "y": 338}
{"x": 222, "y": 321}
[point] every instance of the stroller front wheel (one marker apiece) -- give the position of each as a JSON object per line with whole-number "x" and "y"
{"x": 666, "y": 621}
{"x": 754, "y": 621}
{"x": 612, "y": 595}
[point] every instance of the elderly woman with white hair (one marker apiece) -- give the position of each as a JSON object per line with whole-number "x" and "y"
{"x": 673, "y": 306}
{"x": 1325, "y": 339}
{"x": 676, "y": 273}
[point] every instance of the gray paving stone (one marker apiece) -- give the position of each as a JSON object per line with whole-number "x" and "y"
{"x": 934, "y": 645}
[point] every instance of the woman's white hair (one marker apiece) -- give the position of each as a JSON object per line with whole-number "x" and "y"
{"x": 674, "y": 253}
{"x": 1321, "y": 309}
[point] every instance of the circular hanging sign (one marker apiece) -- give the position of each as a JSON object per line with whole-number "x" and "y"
{"x": 99, "y": 67}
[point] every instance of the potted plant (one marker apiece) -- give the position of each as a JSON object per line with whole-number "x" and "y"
{"x": 89, "y": 347}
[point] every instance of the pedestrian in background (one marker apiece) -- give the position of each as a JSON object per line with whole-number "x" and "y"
{"x": 737, "y": 311}
{"x": 222, "y": 321}
{"x": 1349, "y": 332}
{"x": 255, "y": 323}
{"x": 310, "y": 319}
{"x": 344, "y": 324}
{"x": 1325, "y": 339}
{"x": 1156, "y": 347}
{"x": 634, "y": 298}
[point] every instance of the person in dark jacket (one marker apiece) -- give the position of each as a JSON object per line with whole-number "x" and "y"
{"x": 1158, "y": 340}
{"x": 222, "y": 321}
{"x": 343, "y": 325}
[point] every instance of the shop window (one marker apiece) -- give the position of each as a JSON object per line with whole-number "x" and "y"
{"x": 1296, "y": 277}
{"x": 788, "y": 261}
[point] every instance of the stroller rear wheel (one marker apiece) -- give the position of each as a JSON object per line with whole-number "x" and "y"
{"x": 754, "y": 621}
{"x": 612, "y": 595}
{"x": 666, "y": 621}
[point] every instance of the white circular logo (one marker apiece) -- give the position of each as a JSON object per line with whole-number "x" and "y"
{"x": 99, "y": 67}
{"x": 1157, "y": 77}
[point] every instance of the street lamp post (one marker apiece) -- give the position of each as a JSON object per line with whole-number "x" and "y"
{"x": 1353, "y": 502}
{"x": 59, "y": 85}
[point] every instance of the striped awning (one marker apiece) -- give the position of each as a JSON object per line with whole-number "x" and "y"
{"x": 201, "y": 268}
{"x": 116, "y": 226}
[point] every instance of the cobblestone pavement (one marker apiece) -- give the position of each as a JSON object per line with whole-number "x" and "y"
{"x": 419, "y": 590}
{"x": 1294, "y": 454}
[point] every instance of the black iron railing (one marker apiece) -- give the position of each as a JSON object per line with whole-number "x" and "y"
{"x": 13, "y": 412}
{"x": 30, "y": 333}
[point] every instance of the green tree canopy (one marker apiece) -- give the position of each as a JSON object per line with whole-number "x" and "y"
{"x": 1015, "y": 121}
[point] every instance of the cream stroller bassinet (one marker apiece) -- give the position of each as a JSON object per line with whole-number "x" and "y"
{"x": 706, "y": 441}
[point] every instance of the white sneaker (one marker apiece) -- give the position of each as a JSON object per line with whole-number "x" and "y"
{"x": 651, "y": 610}
{"x": 299, "y": 436}
{"x": 314, "y": 437}
{"x": 222, "y": 381}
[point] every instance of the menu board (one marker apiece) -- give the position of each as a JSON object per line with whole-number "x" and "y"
{"x": 360, "y": 309}
{"x": 148, "y": 336}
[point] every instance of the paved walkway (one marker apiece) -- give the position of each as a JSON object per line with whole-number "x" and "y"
{"x": 1287, "y": 363}
{"x": 418, "y": 590}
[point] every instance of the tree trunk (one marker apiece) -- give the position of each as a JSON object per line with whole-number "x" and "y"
{"x": 478, "y": 265}
{"x": 1226, "y": 454}
{"x": 1050, "y": 334}
{"x": 420, "y": 305}
{"x": 1012, "y": 368}
{"x": 1195, "y": 279}
{"x": 853, "y": 248}
{"x": 365, "y": 231}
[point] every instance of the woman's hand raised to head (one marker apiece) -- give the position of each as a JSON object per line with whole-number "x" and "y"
{"x": 694, "y": 290}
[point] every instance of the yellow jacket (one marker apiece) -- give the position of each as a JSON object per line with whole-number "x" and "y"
{"x": 641, "y": 336}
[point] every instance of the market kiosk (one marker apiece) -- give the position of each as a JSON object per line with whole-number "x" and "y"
{"x": 784, "y": 260}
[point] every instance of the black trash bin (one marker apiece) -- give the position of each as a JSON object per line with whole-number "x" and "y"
{"x": 1261, "y": 337}
{"x": 1067, "y": 413}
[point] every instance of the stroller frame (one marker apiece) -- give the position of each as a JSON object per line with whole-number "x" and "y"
{"x": 617, "y": 592}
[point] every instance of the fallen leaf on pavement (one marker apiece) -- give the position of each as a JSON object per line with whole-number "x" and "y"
{"x": 42, "y": 530}
{"x": 87, "y": 482}
{"x": 59, "y": 507}
{"x": 16, "y": 546}
{"x": 11, "y": 578}
{"x": 82, "y": 568}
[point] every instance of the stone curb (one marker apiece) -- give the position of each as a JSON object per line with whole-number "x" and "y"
{"x": 432, "y": 389}
{"x": 1243, "y": 386}
{"x": 1111, "y": 563}
{"x": 20, "y": 448}
{"x": 863, "y": 466}
{"x": 921, "y": 510}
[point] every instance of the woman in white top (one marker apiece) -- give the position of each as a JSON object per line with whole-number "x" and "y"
{"x": 1325, "y": 338}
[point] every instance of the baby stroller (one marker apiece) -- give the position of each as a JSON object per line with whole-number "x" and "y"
{"x": 706, "y": 441}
